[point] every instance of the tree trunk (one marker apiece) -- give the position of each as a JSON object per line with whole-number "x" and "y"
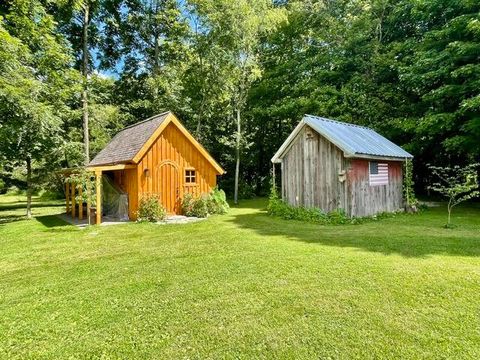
{"x": 449, "y": 209}
{"x": 85, "y": 56}
{"x": 29, "y": 187}
{"x": 156, "y": 60}
{"x": 237, "y": 154}
{"x": 200, "y": 114}
{"x": 200, "y": 118}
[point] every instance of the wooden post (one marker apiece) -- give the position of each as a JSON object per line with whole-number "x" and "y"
{"x": 73, "y": 200}
{"x": 98, "y": 183}
{"x": 88, "y": 199}
{"x": 80, "y": 204}
{"x": 67, "y": 197}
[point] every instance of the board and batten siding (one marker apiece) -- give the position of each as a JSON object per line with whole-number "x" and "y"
{"x": 127, "y": 181}
{"x": 173, "y": 148}
{"x": 315, "y": 173}
{"x": 311, "y": 173}
{"x": 369, "y": 199}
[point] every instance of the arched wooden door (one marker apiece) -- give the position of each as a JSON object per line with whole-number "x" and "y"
{"x": 168, "y": 185}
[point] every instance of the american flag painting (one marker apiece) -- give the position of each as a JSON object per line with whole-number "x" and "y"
{"x": 378, "y": 173}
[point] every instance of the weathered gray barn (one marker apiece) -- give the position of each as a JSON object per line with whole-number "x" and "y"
{"x": 334, "y": 165}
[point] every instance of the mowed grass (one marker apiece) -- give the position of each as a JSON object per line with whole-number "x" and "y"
{"x": 239, "y": 286}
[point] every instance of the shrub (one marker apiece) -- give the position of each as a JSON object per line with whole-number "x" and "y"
{"x": 150, "y": 209}
{"x": 207, "y": 204}
{"x": 200, "y": 206}
{"x": 277, "y": 207}
{"x": 217, "y": 203}
{"x": 457, "y": 184}
{"x": 197, "y": 207}
{"x": 187, "y": 204}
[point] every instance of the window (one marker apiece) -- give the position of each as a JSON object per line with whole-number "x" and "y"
{"x": 190, "y": 176}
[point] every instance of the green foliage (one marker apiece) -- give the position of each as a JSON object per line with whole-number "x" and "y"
{"x": 206, "y": 204}
{"x": 407, "y": 68}
{"x": 457, "y": 184}
{"x": 200, "y": 206}
{"x": 277, "y": 207}
{"x": 150, "y": 209}
{"x": 85, "y": 180}
{"x": 408, "y": 186}
{"x": 217, "y": 203}
{"x": 197, "y": 207}
{"x": 288, "y": 212}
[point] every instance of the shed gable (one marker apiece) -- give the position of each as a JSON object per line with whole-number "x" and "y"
{"x": 132, "y": 143}
{"x": 312, "y": 172}
{"x": 173, "y": 146}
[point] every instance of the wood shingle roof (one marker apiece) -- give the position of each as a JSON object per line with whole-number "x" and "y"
{"x": 128, "y": 142}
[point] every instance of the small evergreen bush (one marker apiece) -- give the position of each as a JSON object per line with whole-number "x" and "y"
{"x": 150, "y": 209}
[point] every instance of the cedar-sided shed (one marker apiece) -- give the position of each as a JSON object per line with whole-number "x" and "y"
{"x": 334, "y": 165}
{"x": 155, "y": 156}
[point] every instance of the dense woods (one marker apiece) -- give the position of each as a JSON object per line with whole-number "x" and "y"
{"x": 239, "y": 74}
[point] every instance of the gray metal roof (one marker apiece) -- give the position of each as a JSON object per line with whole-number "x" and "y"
{"x": 353, "y": 140}
{"x": 127, "y": 143}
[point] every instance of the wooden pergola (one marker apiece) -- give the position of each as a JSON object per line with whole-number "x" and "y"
{"x": 72, "y": 190}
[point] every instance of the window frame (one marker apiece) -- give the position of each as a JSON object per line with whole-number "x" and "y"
{"x": 189, "y": 175}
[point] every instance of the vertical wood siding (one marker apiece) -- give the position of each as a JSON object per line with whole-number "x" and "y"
{"x": 368, "y": 200}
{"x": 310, "y": 173}
{"x": 167, "y": 159}
{"x": 127, "y": 181}
{"x": 311, "y": 176}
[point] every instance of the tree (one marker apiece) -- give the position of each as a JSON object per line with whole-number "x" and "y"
{"x": 34, "y": 86}
{"x": 457, "y": 184}
{"x": 85, "y": 63}
{"x": 146, "y": 40}
{"x": 79, "y": 22}
{"x": 443, "y": 71}
{"x": 239, "y": 26}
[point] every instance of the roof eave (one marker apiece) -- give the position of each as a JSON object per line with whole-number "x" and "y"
{"x": 378, "y": 157}
{"x": 277, "y": 158}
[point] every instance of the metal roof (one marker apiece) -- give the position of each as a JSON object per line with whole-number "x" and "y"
{"x": 353, "y": 140}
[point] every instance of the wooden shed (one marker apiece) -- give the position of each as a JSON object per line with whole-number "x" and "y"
{"x": 334, "y": 165}
{"x": 155, "y": 156}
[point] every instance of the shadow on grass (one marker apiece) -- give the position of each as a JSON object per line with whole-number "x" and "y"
{"x": 386, "y": 237}
{"x": 23, "y": 205}
{"x": 7, "y": 219}
{"x": 53, "y": 221}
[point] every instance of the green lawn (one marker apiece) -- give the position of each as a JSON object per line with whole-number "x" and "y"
{"x": 242, "y": 285}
